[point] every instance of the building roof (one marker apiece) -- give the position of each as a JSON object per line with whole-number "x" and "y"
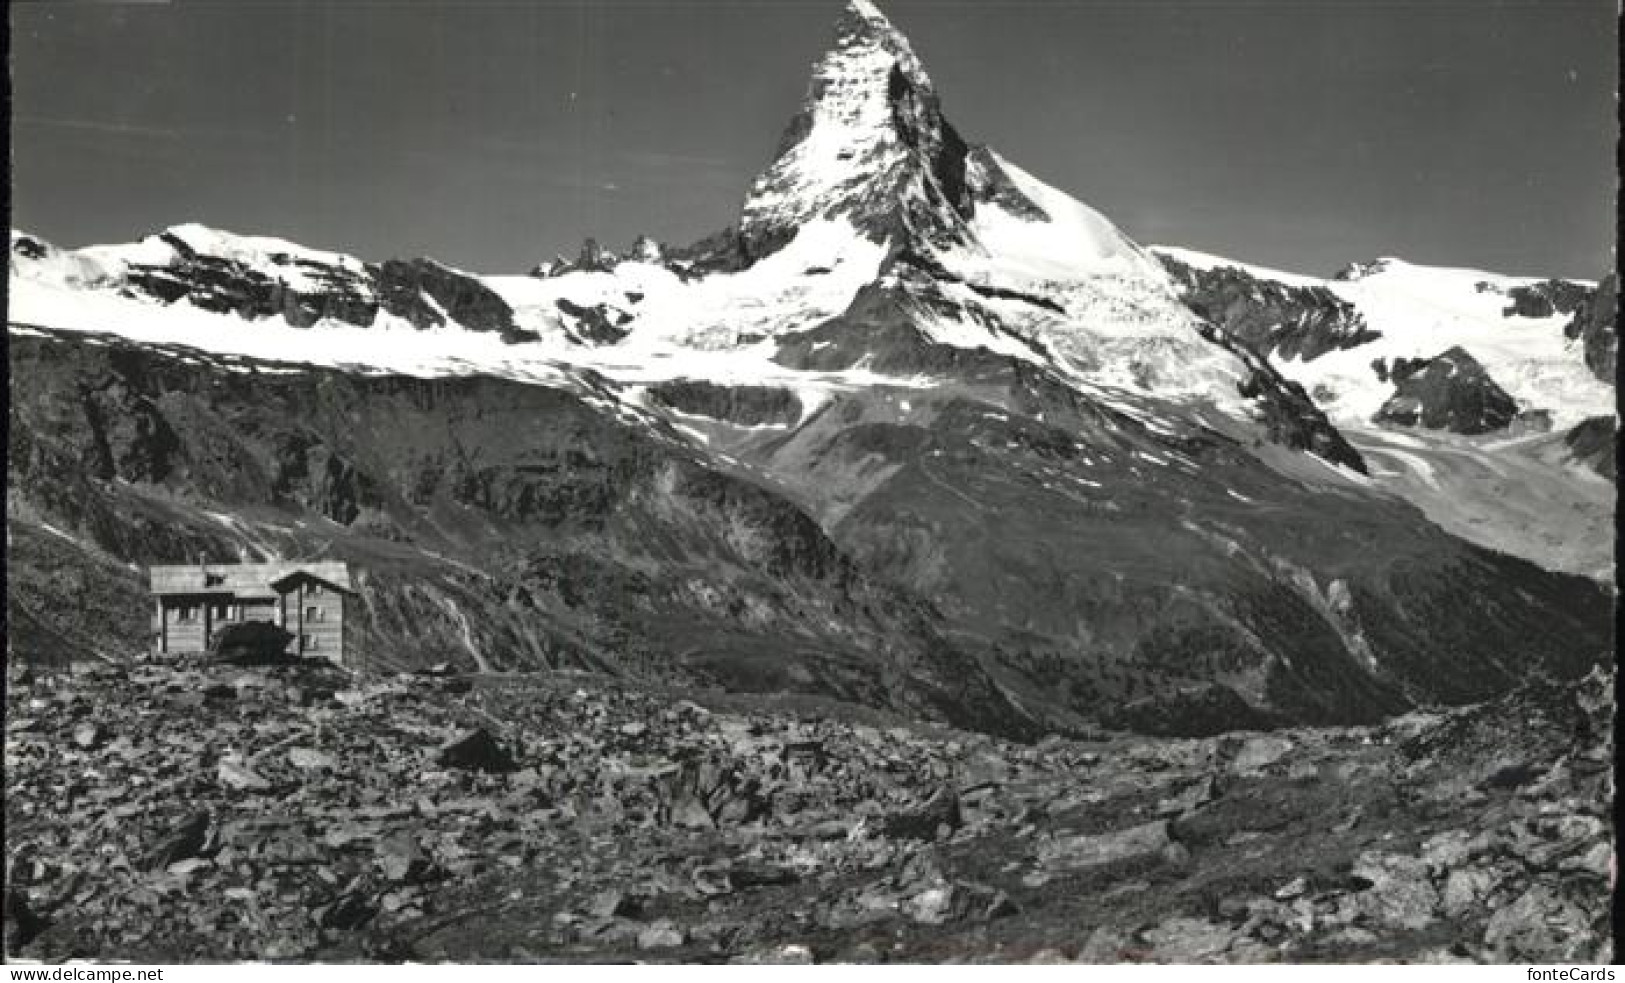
{"x": 243, "y": 579}
{"x": 287, "y": 582}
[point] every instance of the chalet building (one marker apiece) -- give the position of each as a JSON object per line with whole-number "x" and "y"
{"x": 307, "y": 600}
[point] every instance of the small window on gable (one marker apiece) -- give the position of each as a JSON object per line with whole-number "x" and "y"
{"x": 213, "y": 579}
{"x": 314, "y": 590}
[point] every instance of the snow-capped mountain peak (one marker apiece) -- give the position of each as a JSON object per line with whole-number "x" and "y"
{"x": 870, "y": 173}
{"x": 869, "y": 143}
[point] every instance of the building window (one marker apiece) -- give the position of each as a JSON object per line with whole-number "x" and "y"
{"x": 315, "y": 613}
{"x": 314, "y": 590}
{"x": 186, "y": 612}
{"x": 308, "y": 642}
{"x": 225, "y": 612}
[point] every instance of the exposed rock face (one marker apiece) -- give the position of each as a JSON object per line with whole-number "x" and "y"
{"x": 27, "y": 246}
{"x": 427, "y": 294}
{"x": 1290, "y": 417}
{"x": 1274, "y": 319}
{"x": 747, "y": 406}
{"x": 1547, "y": 298}
{"x": 594, "y": 258}
{"x": 1361, "y": 269}
{"x": 228, "y": 285}
{"x": 599, "y": 324}
{"x": 646, "y": 250}
{"x": 1449, "y": 392}
{"x": 1596, "y": 327}
{"x": 1594, "y": 442}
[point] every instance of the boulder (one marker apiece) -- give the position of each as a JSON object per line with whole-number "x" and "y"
{"x": 22, "y": 923}
{"x": 662, "y": 934}
{"x": 234, "y": 773}
{"x": 1195, "y": 795}
{"x": 188, "y": 840}
{"x": 1258, "y": 753}
{"x": 1085, "y": 850}
{"x": 1189, "y": 940}
{"x": 89, "y": 735}
{"x": 476, "y": 750}
{"x": 401, "y": 860}
{"x": 310, "y": 759}
{"x": 1401, "y": 894}
{"x": 929, "y": 820}
{"x": 352, "y": 909}
{"x": 1540, "y": 927}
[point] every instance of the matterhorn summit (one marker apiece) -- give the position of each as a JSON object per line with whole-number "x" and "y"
{"x": 872, "y": 145}
{"x": 869, "y": 144}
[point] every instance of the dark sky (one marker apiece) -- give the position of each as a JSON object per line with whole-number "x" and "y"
{"x": 1298, "y": 133}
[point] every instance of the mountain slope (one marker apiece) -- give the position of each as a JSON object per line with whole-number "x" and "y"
{"x": 514, "y": 526}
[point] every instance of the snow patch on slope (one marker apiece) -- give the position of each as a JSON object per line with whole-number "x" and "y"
{"x": 1076, "y": 240}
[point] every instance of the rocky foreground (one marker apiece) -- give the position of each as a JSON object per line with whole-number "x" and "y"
{"x": 173, "y": 814}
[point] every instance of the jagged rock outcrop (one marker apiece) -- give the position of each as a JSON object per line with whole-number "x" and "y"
{"x": 1361, "y": 269}
{"x": 428, "y": 294}
{"x": 1274, "y": 319}
{"x": 1289, "y": 416}
{"x": 1596, "y": 327}
{"x": 646, "y": 250}
{"x": 27, "y": 246}
{"x": 600, "y": 324}
{"x": 1448, "y": 392}
{"x": 594, "y": 258}
{"x": 1546, "y": 298}
{"x": 1594, "y": 442}
{"x": 294, "y": 288}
